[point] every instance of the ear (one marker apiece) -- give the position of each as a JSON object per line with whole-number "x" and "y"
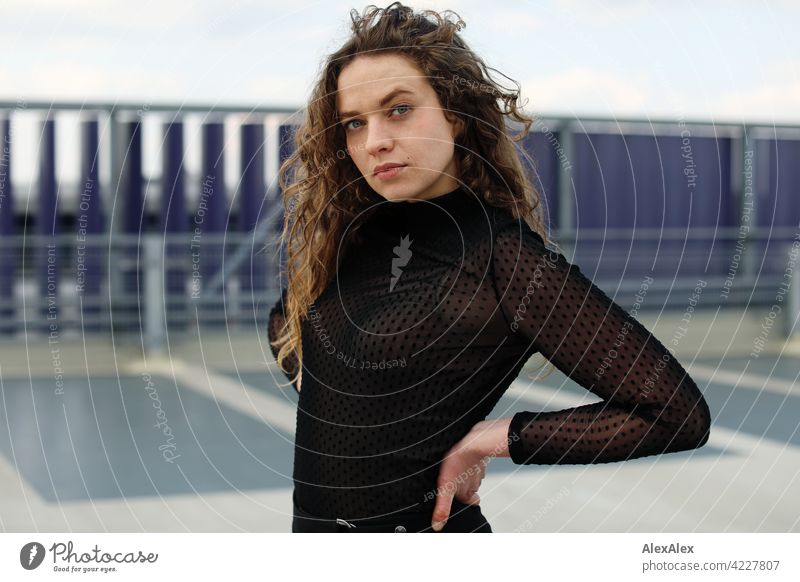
{"x": 458, "y": 127}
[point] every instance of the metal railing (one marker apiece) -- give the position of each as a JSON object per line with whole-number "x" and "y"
{"x": 178, "y": 284}
{"x": 166, "y": 282}
{"x": 147, "y": 283}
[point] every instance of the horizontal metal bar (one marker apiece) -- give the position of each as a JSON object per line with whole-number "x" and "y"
{"x": 554, "y": 119}
{"x": 144, "y": 107}
{"x": 236, "y": 238}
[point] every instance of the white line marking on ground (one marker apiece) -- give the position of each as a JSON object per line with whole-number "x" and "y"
{"x": 774, "y": 385}
{"x": 275, "y": 410}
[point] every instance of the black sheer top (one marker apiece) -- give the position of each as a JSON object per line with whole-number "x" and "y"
{"x": 423, "y": 329}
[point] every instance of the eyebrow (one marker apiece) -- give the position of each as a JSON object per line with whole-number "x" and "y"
{"x": 382, "y": 102}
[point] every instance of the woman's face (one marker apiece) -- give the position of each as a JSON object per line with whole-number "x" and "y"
{"x": 390, "y": 114}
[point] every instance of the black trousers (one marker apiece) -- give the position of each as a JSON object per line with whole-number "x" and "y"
{"x": 463, "y": 519}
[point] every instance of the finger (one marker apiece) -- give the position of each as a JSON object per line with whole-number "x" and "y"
{"x": 441, "y": 511}
{"x": 466, "y": 495}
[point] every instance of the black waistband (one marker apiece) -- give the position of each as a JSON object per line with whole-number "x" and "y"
{"x": 463, "y": 517}
{"x": 419, "y": 510}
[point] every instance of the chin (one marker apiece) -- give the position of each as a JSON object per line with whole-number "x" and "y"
{"x": 394, "y": 194}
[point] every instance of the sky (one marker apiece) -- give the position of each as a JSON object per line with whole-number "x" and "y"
{"x": 721, "y": 61}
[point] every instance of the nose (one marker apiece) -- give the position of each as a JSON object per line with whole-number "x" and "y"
{"x": 379, "y": 138}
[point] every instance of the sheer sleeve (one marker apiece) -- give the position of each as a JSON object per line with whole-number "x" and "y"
{"x": 650, "y": 404}
{"x": 276, "y": 320}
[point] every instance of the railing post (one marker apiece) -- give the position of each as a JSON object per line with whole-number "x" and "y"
{"x": 747, "y": 195}
{"x": 792, "y": 318}
{"x": 154, "y": 308}
{"x": 114, "y": 227}
{"x": 89, "y": 224}
{"x": 8, "y": 252}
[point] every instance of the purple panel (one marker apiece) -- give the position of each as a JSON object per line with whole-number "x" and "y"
{"x": 634, "y": 181}
{"x": 252, "y": 193}
{"x": 6, "y": 187}
{"x": 174, "y": 221}
{"x": 173, "y": 199}
{"x": 543, "y": 149}
{"x": 211, "y": 217}
{"x": 697, "y": 181}
{"x": 779, "y": 204}
{"x": 603, "y": 182}
{"x": 286, "y": 139}
{"x": 133, "y": 219}
{"x": 253, "y": 186}
{"x": 47, "y": 226}
{"x": 90, "y": 252}
{"x": 212, "y": 210}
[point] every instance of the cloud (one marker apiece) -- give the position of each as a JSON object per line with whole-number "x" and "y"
{"x": 290, "y": 90}
{"x": 776, "y": 96}
{"x": 777, "y": 100}
{"x": 68, "y": 80}
{"x": 53, "y": 18}
{"x": 566, "y": 92}
{"x": 584, "y": 91}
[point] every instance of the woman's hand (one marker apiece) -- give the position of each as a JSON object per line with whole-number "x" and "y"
{"x": 464, "y": 467}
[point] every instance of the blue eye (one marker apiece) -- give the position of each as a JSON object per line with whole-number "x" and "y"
{"x": 407, "y": 108}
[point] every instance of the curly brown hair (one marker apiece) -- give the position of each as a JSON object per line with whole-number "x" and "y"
{"x": 322, "y": 188}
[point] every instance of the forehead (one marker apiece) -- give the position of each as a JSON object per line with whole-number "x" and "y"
{"x": 366, "y": 79}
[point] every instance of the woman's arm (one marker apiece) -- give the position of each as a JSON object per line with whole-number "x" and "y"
{"x": 276, "y": 321}
{"x": 650, "y": 404}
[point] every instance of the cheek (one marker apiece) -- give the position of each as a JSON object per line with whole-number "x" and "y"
{"x": 356, "y": 152}
{"x": 437, "y": 143}
{"x": 435, "y": 151}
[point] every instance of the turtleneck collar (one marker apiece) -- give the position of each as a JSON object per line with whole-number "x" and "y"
{"x": 438, "y": 208}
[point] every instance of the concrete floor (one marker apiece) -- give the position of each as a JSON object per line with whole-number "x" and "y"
{"x": 97, "y": 438}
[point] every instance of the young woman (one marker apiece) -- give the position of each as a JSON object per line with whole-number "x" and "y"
{"x": 420, "y": 281}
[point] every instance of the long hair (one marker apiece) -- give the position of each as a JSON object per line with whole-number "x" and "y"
{"x": 323, "y": 190}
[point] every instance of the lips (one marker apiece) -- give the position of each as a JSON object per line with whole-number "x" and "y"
{"x": 384, "y": 167}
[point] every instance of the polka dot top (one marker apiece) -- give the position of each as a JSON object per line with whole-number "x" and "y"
{"x": 425, "y": 326}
